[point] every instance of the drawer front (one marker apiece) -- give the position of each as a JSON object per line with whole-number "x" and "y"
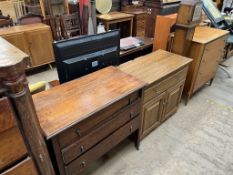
{"x": 26, "y": 167}
{"x": 83, "y": 128}
{"x": 78, "y": 165}
{"x": 76, "y": 149}
{"x": 12, "y": 147}
{"x": 159, "y": 88}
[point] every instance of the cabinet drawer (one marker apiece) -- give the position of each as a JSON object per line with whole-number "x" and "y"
{"x": 83, "y": 128}
{"x": 159, "y": 88}
{"x": 12, "y": 147}
{"x": 78, "y": 165}
{"x": 76, "y": 149}
{"x": 26, "y": 167}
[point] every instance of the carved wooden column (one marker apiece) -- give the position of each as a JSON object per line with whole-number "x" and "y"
{"x": 14, "y": 85}
{"x": 188, "y": 18}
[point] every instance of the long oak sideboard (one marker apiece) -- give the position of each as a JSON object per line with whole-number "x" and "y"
{"x": 33, "y": 39}
{"x": 165, "y": 75}
{"x": 85, "y": 118}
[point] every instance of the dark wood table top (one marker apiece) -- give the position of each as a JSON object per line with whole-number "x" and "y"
{"x": 155, "y": 66}
{"x": 65, "y": 105}
{"x": 147, "y": 43}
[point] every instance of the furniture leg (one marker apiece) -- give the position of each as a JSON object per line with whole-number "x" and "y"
{"x": 211, "y": 81}
{"x": 225, "y": 70}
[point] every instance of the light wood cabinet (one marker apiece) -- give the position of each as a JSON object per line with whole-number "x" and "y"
{"x": 165, "y": 75}
{"x": 34, "y": 39}
{"x": 207, "y": 51}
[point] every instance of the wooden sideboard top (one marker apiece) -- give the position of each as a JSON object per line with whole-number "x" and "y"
{"x": 114, "y": 16}
{"x": 154, "y": 66}
{"x": 22, "y": 28}
{"x": 135, "y": 12}
{"x": 65, "y": 105}
{"x": 205, "y": 35}
{"x": 10, "y": 55}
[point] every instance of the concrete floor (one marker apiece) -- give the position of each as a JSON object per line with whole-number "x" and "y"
{"x": 197, "y": 140}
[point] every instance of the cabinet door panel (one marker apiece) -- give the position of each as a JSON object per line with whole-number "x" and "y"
{"x": 173, "y": 100}
{"x": 209, "y": 64}
{"x": 18, "y": 41}
{"x": 40, "y": 46}
{"x": 152, "y": 112}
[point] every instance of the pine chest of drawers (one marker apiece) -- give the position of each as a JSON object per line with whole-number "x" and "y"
{"x": 85, "y": 118}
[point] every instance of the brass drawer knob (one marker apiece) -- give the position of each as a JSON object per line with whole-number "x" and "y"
{"x": 131, "y": 128}
{"x": 78, "y": 131}
{"x": 131, "y": 115}
{"x": 82, "y": 148}
{"x": 83, "y": 164}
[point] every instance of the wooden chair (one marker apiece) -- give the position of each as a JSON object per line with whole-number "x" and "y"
{"x": 55, "y": 25}
{"x": 30, "y": 18}
{"x": 71, "y": 25}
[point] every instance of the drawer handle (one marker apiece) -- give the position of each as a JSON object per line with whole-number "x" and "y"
{"x": 131, "y": 128}
{"x": 78, "y": 131}
{"x": 83, "y": 164}
{"x": 82, "y": 149}
{"x": 131, "y": 115}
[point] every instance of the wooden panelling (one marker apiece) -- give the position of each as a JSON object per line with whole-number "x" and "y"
{"x": 25, "y": 167}
{"x": 12, "y": 147}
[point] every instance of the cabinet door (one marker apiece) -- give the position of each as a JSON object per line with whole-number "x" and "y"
{"x": 150, "y": 21}
{"x": 18, "y": 40}
{"x": 40, "y": 46}
{"x": 172, "y": 100}
{"x": 212, "y": 56}
{"x": 152, "y": 112}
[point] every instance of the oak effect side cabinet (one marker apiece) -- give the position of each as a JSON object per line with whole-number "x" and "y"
{"x": 35, "y": 40}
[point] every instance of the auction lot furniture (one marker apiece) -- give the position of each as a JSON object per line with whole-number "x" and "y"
{"x": 82, "y": 124}
{"x": 22, "y": 147}
{"x": 34, "y": 40}
{"x": 138, "y": 51}
{"x": 115, "y": 18}
{"x": 139, "y": 22}
{"x": 207, "y": 51}
{"x": 165, "y": 75}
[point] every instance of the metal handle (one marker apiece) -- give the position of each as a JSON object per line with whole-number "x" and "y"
{"x": 78, "y": 131}
{"x": 131, "y": 128}
{"x": 83, "y": 164}
{"x": 82, "y": 148}
{"x": 131, "y": 115}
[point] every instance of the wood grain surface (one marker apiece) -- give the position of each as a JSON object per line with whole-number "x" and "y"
{"x": 67, "y": 104}
{"x": 155, "y": 66}
{"x": 205, "y": 35}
